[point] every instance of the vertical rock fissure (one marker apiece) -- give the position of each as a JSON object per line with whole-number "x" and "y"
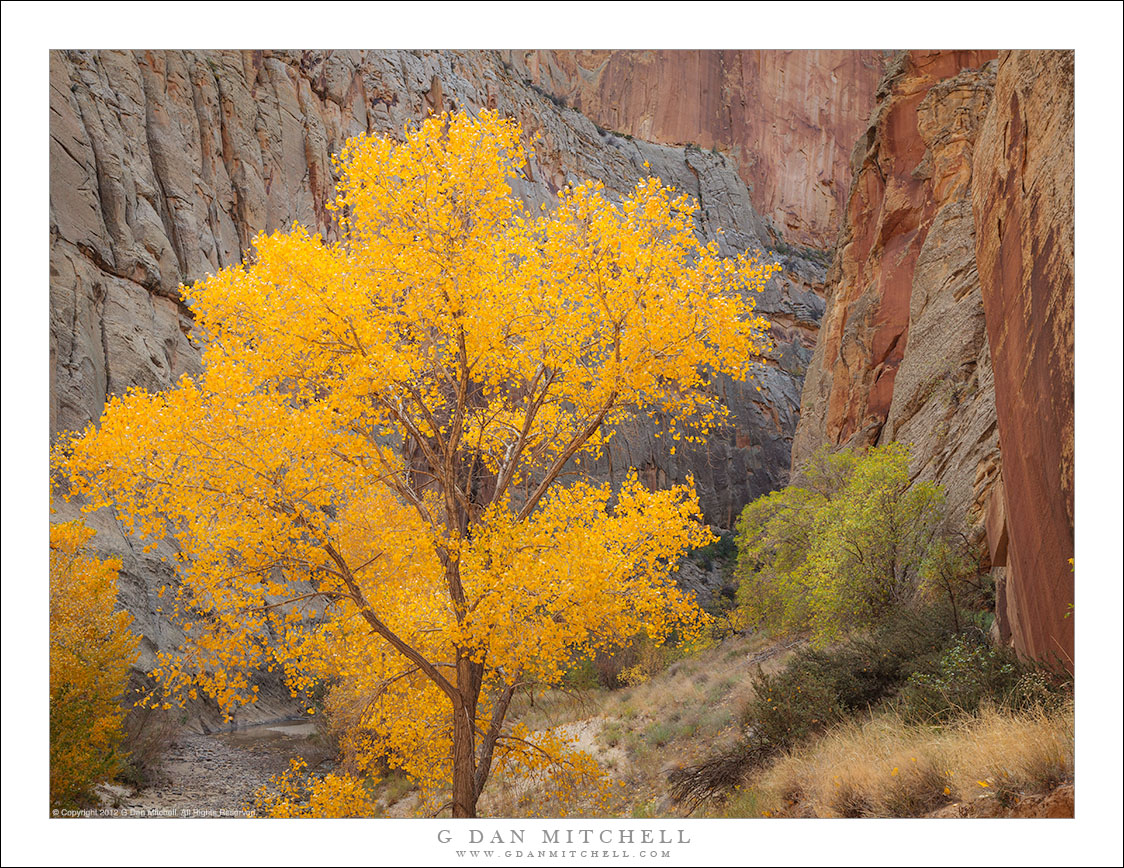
{"x": 101, "y": 299}
{"x": 167, "y": 217}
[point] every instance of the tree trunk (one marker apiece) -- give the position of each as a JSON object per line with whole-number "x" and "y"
{"x": 464, "y": 764}
{"x": 465, "y": 792}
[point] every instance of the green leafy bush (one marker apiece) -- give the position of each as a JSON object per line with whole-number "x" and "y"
{"x": 819, "y": 687}
{"x": 846, "y": 542}
{"x": 970, "y": 673}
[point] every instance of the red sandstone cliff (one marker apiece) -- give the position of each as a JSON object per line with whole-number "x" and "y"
{"x": 787, "y": 118}
{"x": 902, "y": 352}
{"x": 949, "y": 322}
{"x": 1022, "y": 197}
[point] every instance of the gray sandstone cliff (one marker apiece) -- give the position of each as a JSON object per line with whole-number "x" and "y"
{"x": 165, "y": 165}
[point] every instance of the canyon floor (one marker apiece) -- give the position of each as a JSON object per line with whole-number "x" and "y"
{"x": 638, "y": 735}
{"x": 217, "y": 774}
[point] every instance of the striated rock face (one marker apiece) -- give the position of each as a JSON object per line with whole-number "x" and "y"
{"x": 165, "y": 165}
{"x": 903, "y": 352}
{"x": 1022, "y": 198}
{"x": 949, "y": 321}
{"x": 787, "y": 118}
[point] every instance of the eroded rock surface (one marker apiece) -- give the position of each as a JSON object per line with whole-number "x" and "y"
{"x": 903, "y": 352}
{"x": 166, "y": 164}
{"x": 1022, "y": 199}
{"x": 787, "y": 118}
{"x": 949, "y": 321}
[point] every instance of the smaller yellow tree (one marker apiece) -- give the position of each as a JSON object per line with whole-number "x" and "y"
{"x": 92, "y": 649}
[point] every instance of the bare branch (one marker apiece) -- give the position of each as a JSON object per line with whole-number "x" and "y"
{"x": 488, "y": 746}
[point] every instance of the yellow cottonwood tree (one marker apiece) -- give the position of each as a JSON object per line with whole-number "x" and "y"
{"x": 91, "y": 650}
{"x": 374, "y": 480}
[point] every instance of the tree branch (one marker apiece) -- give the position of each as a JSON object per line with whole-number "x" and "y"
{"x": 389, "y": 635}
{"x": 488, "y": 746}
{"x": 512, "y": 461}
{"x": 560, "y": 462}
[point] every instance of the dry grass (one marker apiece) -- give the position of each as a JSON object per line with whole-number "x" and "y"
{"x": 880, "y": 766}
{"x": 883, "y": 767}
{"x": 639, "y": 734}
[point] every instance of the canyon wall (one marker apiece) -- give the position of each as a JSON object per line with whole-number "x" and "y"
{"x": 949, "y": 312}
{"x": 941, "y": 334}
{"x": 788, "y": 119}
{"x": 166, "y": 164}
{"x": 903, "y": 353}
{"x": 1023, "y": 203}
{"x": 949, "y": 317}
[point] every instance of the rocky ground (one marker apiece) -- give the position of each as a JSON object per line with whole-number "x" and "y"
{"x": 1056, "y": 804}
{"x": 217, "y": 775}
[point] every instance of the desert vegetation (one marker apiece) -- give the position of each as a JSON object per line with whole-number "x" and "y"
{"x": 898, "y": 661}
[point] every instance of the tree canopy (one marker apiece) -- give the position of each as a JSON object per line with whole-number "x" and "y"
{"x": 375, "y": 482}
{"x": 850, "y": 538}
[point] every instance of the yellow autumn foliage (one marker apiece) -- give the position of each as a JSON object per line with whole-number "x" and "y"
{"x": 297, "y": 795}
{"x": 91, "y": 650}
{"x": 376, "y": 481}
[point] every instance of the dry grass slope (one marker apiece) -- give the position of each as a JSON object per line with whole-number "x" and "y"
{"x": 993, "y": 763}
{"x": 884, "y": 767}
{"x": 639, "y": 734}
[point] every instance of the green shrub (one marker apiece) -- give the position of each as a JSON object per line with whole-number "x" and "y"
{"x": 819, "y": 687}
{"x": 848, "y": 541}
{"x": 611, "y": 733}
{"x": 970, "y": 673}
{"x": 661, "y": 732}
{"x": 723, "y": 550}
{"x": 859, "y": 558}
